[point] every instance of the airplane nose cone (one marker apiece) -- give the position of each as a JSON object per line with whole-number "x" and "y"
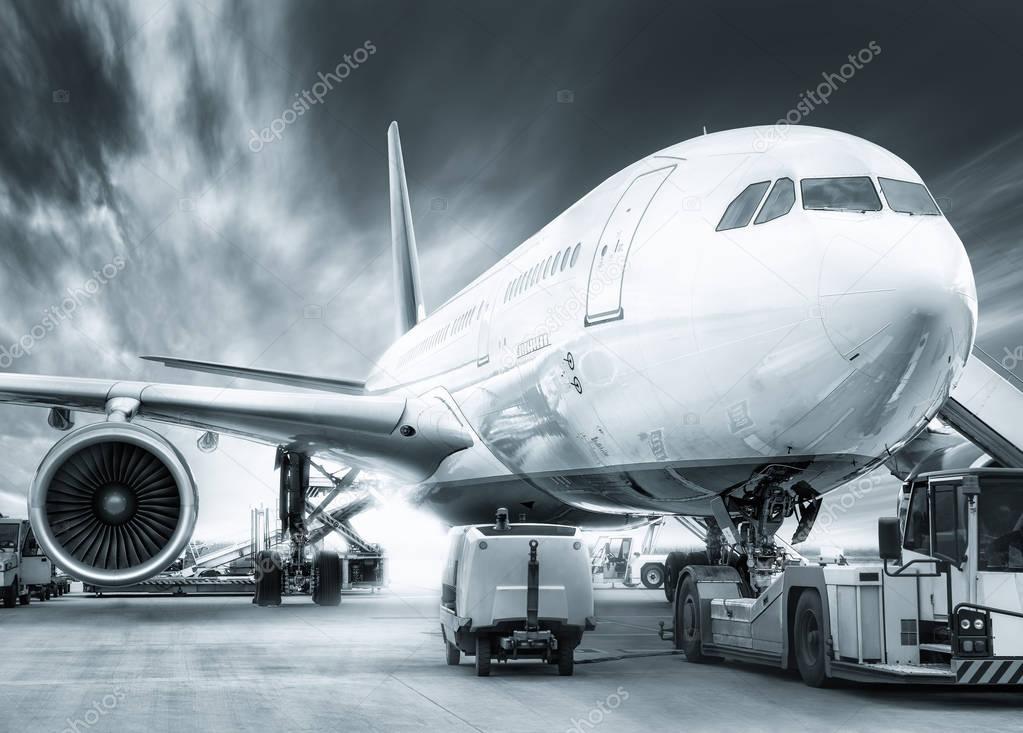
{"x": 903, "y": 306}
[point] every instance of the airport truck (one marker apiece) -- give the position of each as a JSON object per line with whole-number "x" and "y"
{"x": 515, "y": 591}
{"x": 944, "y": 605}
{"x": 24, "y": 570}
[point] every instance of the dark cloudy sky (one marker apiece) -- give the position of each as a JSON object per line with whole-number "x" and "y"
{"x": 126, "y": 132}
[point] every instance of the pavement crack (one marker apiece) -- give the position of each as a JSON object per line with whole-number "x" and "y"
{"x": 434, "y": 702}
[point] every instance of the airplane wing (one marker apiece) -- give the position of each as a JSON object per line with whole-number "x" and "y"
{"x": 404, "y": 436}
{"x": 292, "y": 379}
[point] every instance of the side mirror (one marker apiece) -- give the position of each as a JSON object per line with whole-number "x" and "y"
{"x": 889, "y": 538}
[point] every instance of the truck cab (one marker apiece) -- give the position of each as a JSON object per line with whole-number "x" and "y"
{"x": 963, "y": 533}
{"x": 24, "y": 569}
{"x": 610, "y": 558}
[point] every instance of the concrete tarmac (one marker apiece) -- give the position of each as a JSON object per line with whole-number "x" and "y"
{"x": 376, "y": 663}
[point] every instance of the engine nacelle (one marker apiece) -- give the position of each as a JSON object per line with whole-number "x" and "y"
{"x": 113, "y": 504}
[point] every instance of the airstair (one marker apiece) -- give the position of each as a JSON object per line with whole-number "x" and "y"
{"x": 987, "y": 404}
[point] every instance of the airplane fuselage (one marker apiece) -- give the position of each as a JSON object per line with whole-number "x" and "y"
{"x": 631, "y": 359}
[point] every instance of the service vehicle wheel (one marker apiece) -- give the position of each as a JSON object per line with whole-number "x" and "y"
{"x": 452, "y": 654}
{"x": 25, "y": 599}
{"x": 808, "y": 639}
{"x": 688, "y": 635}
{"x": 566, "y": 661}
{"x": 652, "y": 575}
{"x": 11, "y": 595}
{"x": 482, "y": 655}
{"x": 673, "y": 564}
{"x": 328, "y": 572}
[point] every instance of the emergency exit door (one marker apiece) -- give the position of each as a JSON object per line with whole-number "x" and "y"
{"x": 483, "y": 338}
{"x": 604, "y": 290}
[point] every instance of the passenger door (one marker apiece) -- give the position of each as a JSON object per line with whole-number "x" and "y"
{"x": 604, "y": 290}
{"x": 35, "y": 566}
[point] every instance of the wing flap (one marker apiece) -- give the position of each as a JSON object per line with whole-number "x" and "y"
{"x": 291, "y": 379}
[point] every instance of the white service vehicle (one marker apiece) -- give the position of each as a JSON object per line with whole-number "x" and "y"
{"x": 615, "y": 560}
{"x": 24, "y": 569}
{"x": 514, "y": 591}
{"x": 944, "y": 606}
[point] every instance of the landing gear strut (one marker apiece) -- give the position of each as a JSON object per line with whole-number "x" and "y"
{"x": 747, "y": 526}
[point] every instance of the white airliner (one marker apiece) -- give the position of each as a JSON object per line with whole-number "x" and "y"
{"x": 721, "y": 327}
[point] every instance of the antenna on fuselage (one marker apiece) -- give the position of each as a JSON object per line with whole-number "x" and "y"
{"x": 704, "y": 129}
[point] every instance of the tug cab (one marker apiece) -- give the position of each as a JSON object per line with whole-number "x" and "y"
{"x": 961, "y": 535}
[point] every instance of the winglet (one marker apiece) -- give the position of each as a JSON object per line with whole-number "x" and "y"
{"x": 409, "y": 291}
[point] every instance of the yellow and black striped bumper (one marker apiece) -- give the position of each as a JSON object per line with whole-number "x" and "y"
{"x": 997, "y": 671}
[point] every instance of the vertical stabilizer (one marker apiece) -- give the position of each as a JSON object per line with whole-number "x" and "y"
{"x": 408, "y": 289}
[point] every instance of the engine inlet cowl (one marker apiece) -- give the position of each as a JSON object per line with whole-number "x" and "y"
{"x": 113, "y": 504}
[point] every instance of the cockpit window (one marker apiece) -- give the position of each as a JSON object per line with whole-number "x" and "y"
{"x": 742, "y": 208}
{"x": 779, "y": 201}
{"x": 908, "y": 198}
{"x": 854, "y": 193}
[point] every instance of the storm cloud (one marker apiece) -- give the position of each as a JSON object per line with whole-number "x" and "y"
{"x": 126, "y": 131}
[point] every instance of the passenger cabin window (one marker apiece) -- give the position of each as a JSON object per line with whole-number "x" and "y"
{"x": 853, "y": 193}
{"x": 564, "y": 260}
{"x": 908, "y": 198}
{"x": 779, "y": 201}
{"x": 557, "y": 261}
{"x": 743, "y": 206}
{"x": 575, "y": 253}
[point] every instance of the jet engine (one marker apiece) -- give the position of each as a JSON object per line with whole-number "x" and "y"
{"x": 113, "y": 503}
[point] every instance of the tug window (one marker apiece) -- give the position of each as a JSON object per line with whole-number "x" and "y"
{"x": 918, "y": 522}
{"x": 908, "y": 198}
{"x": 855, "y": 193}
{"x": 779, "y": 201}
{"x": 1000, "y": 526}
{"x": 743, "y": 206}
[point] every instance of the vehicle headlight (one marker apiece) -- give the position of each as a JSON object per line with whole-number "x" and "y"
{"x": 965, "y": 624}
{"x": 978, "y": 624}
